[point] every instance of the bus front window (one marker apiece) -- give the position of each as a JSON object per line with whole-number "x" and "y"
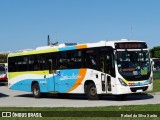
{"x": 134, "y": 65}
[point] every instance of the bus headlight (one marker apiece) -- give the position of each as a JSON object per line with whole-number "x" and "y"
{"x": 122, "y": 82}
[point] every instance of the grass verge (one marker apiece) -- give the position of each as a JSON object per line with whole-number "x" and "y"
{"x": 85, "y": 113}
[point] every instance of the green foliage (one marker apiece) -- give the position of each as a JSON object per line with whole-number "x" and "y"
{"x": 113, "y": 112}
{"x": 155, "y": 52}
{"x": 3, "y": 57}
{"x": 156, "y": 84}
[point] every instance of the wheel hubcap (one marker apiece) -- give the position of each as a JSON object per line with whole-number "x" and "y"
{"x": 93, "y": 91}
{"x": 36, "y": 91}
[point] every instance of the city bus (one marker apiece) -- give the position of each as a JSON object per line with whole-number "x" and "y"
{"x": 156, "y": 66}
{"x": 3, "y": 73}
{"x": 107, "y": 67}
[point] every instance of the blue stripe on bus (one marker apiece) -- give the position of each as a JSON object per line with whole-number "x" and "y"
{"x": 142, "y": 83}
{"x": 64, "y": 81}
{"x": 67, "y": 48}
{"x": 25, "y": 85}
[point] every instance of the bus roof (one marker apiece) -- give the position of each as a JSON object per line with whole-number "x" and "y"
{"x": 65, "y": 47}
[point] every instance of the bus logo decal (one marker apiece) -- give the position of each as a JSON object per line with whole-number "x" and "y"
{"x": 58, "y": 73}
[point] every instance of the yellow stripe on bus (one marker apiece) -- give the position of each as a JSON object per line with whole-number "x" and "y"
{"x": 33, "y": 52}
{"x": 15, "y": 74}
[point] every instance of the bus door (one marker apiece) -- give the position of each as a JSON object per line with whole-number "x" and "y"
{"x": 107, "y": 69}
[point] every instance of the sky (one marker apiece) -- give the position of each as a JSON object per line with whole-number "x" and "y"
{"x": 25, "y": 24}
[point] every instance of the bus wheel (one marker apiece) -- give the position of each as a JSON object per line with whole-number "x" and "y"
{"x": 36, "y": 90}
{"x": 91, "y": 92}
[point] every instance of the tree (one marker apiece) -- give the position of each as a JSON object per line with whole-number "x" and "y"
{"x": 155, "y": 52}
{"x": 3, "y": 57}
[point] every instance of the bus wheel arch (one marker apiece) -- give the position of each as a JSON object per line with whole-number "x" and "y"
{"x": 35, "y": 88}
{"x": 90, "y": 90}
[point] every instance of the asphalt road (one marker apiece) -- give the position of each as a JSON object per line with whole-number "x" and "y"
{"x": 11, "y": 98}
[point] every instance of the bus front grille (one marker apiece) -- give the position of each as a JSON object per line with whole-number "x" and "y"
{"x": 139, "y": 88}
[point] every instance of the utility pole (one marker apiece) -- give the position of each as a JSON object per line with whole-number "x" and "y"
{"x": 49, "y": 42}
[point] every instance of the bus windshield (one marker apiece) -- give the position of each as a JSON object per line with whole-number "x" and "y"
{"x": 134, "y": 65}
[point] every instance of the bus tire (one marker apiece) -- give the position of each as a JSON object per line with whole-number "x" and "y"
{"x": 36, "y": 90}
{"x": 91, "y": 92}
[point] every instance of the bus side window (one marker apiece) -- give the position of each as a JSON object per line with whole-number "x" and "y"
{"x": 42, "y": 63}
{"x": 91, "y": 59}
{"x": 36, "y": 65}
{"x": 22, "y": 63}
{"x": 74, "y": 60}
{"x": 12, "y": 64}
{"x": 108, "y": 64}
{"x": 102, "y": 65}
{"x": 50, "y": 61}
{"x": 50, "y": 66}
{"x": 63, "y": 60}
